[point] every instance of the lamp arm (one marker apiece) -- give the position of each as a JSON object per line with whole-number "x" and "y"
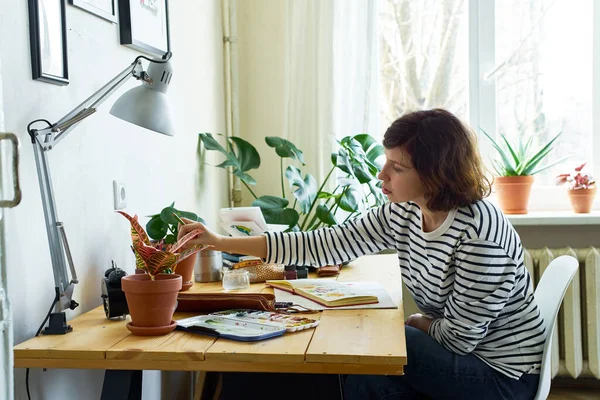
{"x": 44, "y": 140}
{"x": 60, "y": 129}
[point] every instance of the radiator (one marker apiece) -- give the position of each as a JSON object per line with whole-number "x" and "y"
{"x": 576, "y": 341}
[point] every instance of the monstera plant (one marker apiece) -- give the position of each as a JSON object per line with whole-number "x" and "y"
{"x": 354, "y": 165}
{"x": 156, "y": 258}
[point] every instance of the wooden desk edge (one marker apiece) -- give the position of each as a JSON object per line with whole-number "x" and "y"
{"x": 315, "y": 368}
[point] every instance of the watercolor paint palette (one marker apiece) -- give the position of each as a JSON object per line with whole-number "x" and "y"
{"x": 229, "y": 328}
{"x": 245, "y": 325}
{"x": 291, "y": 323}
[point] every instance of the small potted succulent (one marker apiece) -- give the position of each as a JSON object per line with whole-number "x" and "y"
{"x": 152, "y": 296}
{"x": 516, "y": 170}
{"x": 582, "y": 189}
{"x": 163, "y": 228}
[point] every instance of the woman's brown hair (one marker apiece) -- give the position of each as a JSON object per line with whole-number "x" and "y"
{"x": 444, "y": 153}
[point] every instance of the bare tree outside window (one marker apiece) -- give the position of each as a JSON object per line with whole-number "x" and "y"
{"x": 423, "y": 57}
{"x": 544, "y": 75}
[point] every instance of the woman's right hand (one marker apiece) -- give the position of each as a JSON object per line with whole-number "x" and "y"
{"x": 206, "y": 237}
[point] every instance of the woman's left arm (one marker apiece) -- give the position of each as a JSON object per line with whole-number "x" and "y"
{"x": 483, "y": 283}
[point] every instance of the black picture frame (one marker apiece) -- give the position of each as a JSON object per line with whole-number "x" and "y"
{"x": 109, "y": 13}
{"x": 49, "y": 61}
{"x": 132, "y": 27}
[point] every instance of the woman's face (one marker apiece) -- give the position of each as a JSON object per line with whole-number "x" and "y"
{"x": 400, "y": 180}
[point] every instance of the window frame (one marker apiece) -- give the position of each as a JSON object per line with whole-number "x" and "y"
{"x": 482, "y": 98}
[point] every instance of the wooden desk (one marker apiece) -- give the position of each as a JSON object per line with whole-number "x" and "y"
{"x": 365, "y": 341}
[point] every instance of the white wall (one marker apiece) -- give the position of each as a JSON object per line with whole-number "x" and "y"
{"x": 261, "y": 55}
{"x": 156, "y": 169}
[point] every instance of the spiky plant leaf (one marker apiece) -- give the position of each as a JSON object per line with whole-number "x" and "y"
{"x": 137, "y": 232}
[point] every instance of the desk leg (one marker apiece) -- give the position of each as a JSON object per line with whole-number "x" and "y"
{"x": 122, "y": 385}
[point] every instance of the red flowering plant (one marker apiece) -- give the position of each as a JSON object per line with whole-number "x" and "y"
{"x": 576, "y": 179}
{"x": 158, "y": 257}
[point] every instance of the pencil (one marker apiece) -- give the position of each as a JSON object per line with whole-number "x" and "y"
{"x": 178, "y": 219}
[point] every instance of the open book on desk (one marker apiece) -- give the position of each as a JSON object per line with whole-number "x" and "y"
{"x": 327, "y": 292}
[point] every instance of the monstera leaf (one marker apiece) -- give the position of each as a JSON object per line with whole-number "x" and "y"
{"x": 284, "y": 148}
{"x": 241, "y": 156}
{"x": 275, "y": 210}
{"x": 305, "y": 189}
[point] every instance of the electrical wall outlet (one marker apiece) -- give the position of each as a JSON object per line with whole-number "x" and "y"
{"x": 119, "y": 195}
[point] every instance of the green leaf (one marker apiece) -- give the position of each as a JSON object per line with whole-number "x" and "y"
{"x": 366, "y": 141}
{"x": 166, "y": 215}
{"x": 210, "y": 143}
{"x": 342, "y": 161}
{"x": 510, "y": 169}
{"x": 351, "y": 197}
{"x": 532, "y": 161}
{"x": 325, "y": 195}
{"x": 306, "y": 189}
{"x": 156, "y": 228}
{"x": 325, "y": 215}
{"x": 240, "y": 158}
{"x": 190, "y": 215}
{"x": 284, "y": 148}
{"x": 361, "y": 171}
{"x": 275, "y": 210}
{"x": 170, "y": 239}
{"x": 247, "y": 156}
{"x": 512, "y": 152}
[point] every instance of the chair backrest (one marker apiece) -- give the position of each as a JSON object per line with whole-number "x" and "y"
{"x": 549, "y": 295}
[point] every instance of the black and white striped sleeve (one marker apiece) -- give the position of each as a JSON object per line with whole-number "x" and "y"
{"x": 483, "y": 283}
{"x": 333, "y": 245}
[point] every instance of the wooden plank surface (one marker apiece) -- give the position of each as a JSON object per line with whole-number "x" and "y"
{"x": 236, "y": 366}
{"x": 289, "y": 348}
{"x": 367, "y": 336}
{"x": 92, "y": 335}
{"x": 176, "y": 346}
{"x": 346, "y": 341}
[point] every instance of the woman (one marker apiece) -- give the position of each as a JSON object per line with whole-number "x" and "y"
{"x": 481, "y": 335}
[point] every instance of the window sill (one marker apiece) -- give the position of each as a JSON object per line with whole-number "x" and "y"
{"x": 534, "y": 218}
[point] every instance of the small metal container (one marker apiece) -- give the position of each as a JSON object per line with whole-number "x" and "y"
{"x": 208, "y": 266}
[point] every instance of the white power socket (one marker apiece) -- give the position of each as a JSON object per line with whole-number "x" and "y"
{"x": 119, "y": 195}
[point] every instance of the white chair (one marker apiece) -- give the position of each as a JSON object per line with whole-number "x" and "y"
{"x": 549, "y": 295}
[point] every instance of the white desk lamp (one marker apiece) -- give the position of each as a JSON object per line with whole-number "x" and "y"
{"x": 146, "y": 106}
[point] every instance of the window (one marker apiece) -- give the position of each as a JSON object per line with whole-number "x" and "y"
{"x": 515, "y": 67}
{"x": 423, "y": 57}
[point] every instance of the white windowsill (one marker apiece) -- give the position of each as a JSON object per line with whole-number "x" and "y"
{"x": 534, "y": 218}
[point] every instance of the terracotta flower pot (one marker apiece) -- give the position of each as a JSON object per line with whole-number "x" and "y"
{"x": 582, "y": 199}
{"x": 185, "y": 268}
{"x": 513, "y": 193}
{"x": 151, "y": 303}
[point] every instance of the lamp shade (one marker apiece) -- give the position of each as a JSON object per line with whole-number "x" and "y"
{"x": 147, "y": 105}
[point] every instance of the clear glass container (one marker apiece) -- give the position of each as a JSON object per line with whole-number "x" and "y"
{"x": 236, "y": 279}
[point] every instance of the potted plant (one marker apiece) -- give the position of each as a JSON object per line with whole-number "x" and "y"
{"x": 582, "y": 189}
{"x": 163, "y": 229}
{"x": 152, "y": 297}
{"x": 516, "y": 170}
{"x": 355, "y": 165}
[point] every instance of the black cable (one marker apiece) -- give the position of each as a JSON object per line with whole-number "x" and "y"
{"x": 166, "y": 57}
{"x": 32, "y": 131}
{"x": 54, "y": 301}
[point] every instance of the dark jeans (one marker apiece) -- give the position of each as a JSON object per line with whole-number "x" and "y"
{"x": 432, "y": 372}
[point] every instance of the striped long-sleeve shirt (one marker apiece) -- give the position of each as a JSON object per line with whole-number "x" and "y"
{"x": 468, "y": 275}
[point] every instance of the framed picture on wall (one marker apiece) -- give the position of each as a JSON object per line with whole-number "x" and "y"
{"x": 48, "y": 41}
{"x": 103, "y": 8}
{"x": 144, "y": 25}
